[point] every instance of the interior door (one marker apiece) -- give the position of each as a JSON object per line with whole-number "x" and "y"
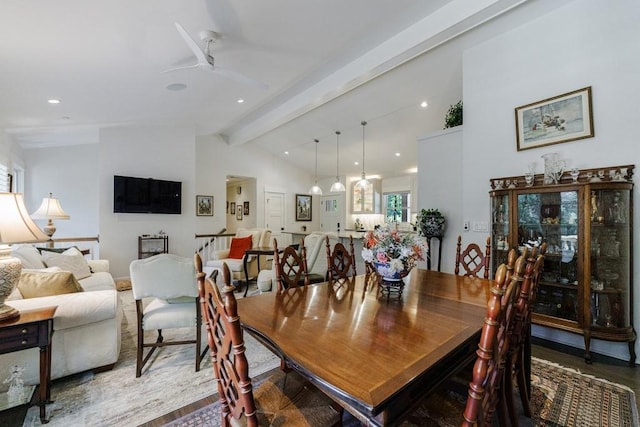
{"x": 332, "y": 214}
{"x": 274, "y": 214}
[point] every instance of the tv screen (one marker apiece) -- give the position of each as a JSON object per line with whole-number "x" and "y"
{"x": 146, "y": 195}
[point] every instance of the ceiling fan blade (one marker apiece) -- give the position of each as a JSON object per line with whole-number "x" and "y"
{"x": 182, "y": 68}
{"x": 192, "y": 45}
{"x": 239, "y": 77}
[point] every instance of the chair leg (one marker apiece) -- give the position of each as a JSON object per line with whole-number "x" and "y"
{"x": 198, "y": 334}
{"x": 523, "y": 385}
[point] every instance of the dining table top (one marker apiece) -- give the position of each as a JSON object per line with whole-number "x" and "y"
{"x": 375, "y": 354}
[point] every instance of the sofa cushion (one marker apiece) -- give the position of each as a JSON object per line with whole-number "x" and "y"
{"x": 239, "y": 245}
{"x": 28, "y": 255}
{"x": 77, "y": 309}
{"x": 42, "y": 284}
{"x": 100, "y": 281}
{"x": 70, "y": 260}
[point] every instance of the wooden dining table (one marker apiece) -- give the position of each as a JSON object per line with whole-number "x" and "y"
{"x": 376, "y": 355}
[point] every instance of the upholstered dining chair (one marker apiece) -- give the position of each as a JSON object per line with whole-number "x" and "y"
{"x": 166, "y": 295}
{"x": 284, "y": 399}
{"x": 290, "y": 266}
{"x": 340, "y": 260}
{"x": 486, "y": 392}
{"x": 472, "y": 259}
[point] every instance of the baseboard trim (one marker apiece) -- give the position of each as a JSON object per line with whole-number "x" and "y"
{"x": 578, "y": 352}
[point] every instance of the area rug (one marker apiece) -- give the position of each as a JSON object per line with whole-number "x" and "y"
{"x": 560, "y": 397}
{"x": 117, "y": 398}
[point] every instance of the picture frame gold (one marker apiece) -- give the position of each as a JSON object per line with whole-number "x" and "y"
{"x": 562, "y": 118}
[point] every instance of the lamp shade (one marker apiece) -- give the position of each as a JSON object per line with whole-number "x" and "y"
{"x": 15, "y": 224}
{"x": 50, "y": 209}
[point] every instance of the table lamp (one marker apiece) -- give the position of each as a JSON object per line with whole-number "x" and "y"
{"x": 15, "y": 227}
{"x": 50, "y": 209}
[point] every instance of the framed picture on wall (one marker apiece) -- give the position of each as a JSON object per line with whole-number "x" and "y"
{"x": 204, "y": 205}
{"x": 562, "y": 118}
{"x": 232, "y": 209}
{"x": 303, "y": 207}
{"x": 246, "y": 208}
{"x": 239, "y": 213}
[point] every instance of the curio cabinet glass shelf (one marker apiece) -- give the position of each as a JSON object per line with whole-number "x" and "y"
{"x": 586, "y": 220}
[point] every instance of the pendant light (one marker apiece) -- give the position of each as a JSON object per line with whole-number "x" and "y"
{"x": 337, "y": 186}
{"x": 315, "y": 188}
{"x": 363, "y": 183}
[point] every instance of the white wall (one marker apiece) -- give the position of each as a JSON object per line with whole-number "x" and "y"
{"x": 148, "y": 152}
{"x": 216, "y": 160}
{"x": 70, "y": 174}
{"x": 583, "y": 43}
{"x": 440, "y": 176}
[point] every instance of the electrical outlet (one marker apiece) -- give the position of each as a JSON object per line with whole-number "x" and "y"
{"x": 466, "y": 226}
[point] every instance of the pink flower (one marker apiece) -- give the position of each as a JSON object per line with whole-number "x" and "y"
{"x": 381, "y": 257}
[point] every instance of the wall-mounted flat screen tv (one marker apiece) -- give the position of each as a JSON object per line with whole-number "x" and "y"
{"x": 146, "y": 195}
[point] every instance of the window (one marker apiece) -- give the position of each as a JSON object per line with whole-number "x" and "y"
{"x": 397, "y": 207}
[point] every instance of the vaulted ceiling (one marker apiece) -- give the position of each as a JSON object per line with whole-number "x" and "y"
{"x": 327, "y": 65}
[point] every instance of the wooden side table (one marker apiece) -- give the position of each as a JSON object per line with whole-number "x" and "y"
{"x": 33, "y": 328}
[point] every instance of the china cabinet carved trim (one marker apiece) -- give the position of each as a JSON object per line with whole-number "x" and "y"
{"x": 586, "y": 219}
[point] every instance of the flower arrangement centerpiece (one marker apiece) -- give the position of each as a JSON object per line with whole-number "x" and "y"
{"x": 393, "y": 253}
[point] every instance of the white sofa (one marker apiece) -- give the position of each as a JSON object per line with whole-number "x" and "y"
{"x": 87, "y": 325}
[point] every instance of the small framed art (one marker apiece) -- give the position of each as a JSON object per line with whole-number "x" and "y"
{"x": 246, "y": 208}
{"x": 303, "y": 207}
{"x": 204, "y": 205}
{"x": 239, "y": 213}
{"x": 232, "y": 208}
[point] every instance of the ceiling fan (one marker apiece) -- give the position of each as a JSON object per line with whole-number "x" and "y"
{"x": 207, "y": 61}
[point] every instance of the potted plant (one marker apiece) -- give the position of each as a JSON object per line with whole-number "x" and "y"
{"x": 431, "y": 222}
{"x": 454, "y": 116}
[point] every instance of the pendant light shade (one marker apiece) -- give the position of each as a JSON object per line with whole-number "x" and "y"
{"x": 363, "y": 183}
{"x": 315, "y": 188}
{"x": 337, "y": 186}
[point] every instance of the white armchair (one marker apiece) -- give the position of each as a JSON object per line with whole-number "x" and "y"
{"x": 316, "y": 260}
{"x": 260, "y": 237}
{"x": 168, "y": 285}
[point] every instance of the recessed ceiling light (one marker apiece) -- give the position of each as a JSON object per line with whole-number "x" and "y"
{"x": 424, "y": 104}
{"x": 356, "y": 163}
{"x": 286, "y": 153}
{"x": 240, "y": 101}
{"x": 65, "y": 118}
{"x": 177, "y": 86}
{"x": 54, "y": 101}
{"x": 397, "y": 154}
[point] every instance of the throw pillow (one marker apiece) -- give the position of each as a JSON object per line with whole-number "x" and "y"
{"x": 28, "y": 255}
{"x": 238, "y": 246}
{"x": 70, "y": 260}
{"x": 41, "y": 284}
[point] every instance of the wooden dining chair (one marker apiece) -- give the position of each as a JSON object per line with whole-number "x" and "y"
{"x": 486, "y": 393}
{"x": 519, "y": 354}
{"x": 282, "y": 399}
{"x": 291, "y": 266}
{"x": 340, "y": 261}
{"x": 472, "y": 259}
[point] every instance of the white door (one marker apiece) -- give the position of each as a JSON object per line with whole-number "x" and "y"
{"x": 274, "y": 214}
{"x": 332, "y": 214}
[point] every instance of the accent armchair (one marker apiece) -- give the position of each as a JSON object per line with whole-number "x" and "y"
{"x": 234, "y": 255}
{"x": 167, "y": 284}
